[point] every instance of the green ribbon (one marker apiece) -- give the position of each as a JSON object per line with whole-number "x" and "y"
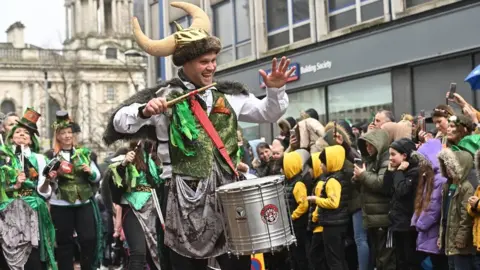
{"x": 183, "y": 127}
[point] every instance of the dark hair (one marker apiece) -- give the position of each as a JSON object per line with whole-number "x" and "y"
{"x": 388, "y": 114}
{"x": 312, "y": 113}
{"x": 323, "y": 157}
{"x": 443, "y": 110}
{"x": 262, "y": 145}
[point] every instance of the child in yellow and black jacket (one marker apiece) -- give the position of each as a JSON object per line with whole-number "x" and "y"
{"x": 316, "y": 252}
{"x": 296, "y": 170}
{"x": 332, "y": 206}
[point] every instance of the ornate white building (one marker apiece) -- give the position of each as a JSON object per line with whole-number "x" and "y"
{"x": 99, "y": 66}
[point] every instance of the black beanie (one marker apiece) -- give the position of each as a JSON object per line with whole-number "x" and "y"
{"x": 323, "y": 158}
{"x": 404, "y": 146}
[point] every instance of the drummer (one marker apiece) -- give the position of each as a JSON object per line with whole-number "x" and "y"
{"x": 298, "y": 183}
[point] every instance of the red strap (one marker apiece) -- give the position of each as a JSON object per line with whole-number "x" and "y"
{"x": 211, "y": 131}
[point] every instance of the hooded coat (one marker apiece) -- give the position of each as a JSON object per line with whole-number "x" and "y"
{"x": 455, "y": 166}
{"x": 375, "y": 204}
{"x": 427, "y": 222}
{"x": 475, "y": 211}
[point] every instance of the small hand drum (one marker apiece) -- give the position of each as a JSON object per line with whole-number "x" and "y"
{"x": 53, "y": 165}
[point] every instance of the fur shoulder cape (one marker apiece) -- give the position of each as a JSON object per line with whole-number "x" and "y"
{"x": 148, "y": 131}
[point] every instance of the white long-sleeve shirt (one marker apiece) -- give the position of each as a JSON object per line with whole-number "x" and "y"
{"x": 248, "y": 108}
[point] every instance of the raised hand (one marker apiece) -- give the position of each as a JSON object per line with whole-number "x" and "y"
{"x": 279, "y": 75}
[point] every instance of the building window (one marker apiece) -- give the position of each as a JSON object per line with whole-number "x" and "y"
{"x": 288, "y": 21}
{"x": 357, "y": 100}
{"x": 250, "y": 131}
{"x": 111, "y": 53}
{"x": 184, "y": 22}
{"x": 301, "y": 101}
{"x": 412, "y": 3}
{"x": 237, "y": 44}
{"x": 343, "y": 13}
{"x": 7, "y": 106}
{"x": 110, "y": 94}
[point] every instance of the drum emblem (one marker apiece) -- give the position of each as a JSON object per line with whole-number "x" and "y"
{"x": 269, "y": 214}
{"x": 240, "y": 213}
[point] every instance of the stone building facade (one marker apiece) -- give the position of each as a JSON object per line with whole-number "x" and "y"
{"x": 99, "y": 66}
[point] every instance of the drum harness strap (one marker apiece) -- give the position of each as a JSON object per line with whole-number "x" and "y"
{"x": 212, "y": 133}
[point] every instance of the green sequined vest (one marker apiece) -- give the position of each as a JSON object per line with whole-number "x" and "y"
{"x": 224, "y": 120}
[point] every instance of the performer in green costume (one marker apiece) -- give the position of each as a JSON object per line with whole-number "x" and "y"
{"x": 193, "y": 165}
{"x": 73, "y": 208}
{"x": 27, "y": 235}
{"x": 131, "y": 182}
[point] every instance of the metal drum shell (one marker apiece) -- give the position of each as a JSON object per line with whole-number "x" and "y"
{"x": 256, "y": 215}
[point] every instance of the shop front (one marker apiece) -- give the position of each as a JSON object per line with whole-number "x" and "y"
{"x": 404, "y": 67}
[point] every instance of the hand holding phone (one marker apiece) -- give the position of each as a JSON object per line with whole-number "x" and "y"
{"x": 358, "y": 162}
{"x": 451, "y": 92}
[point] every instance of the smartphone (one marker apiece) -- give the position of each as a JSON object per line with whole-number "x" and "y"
{"x": 358, "y": 162}
{"x": 292, "y": 133}
{"x": 423, "y": 123}
{"x": 453, "y": 90}
{"x": 335, "y": 129}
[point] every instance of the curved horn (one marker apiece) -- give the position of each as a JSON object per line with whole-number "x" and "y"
{"x": 200, "y": 19}
{"x": 159, "y": 48}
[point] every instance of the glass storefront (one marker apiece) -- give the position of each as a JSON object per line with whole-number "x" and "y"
{"x": 250, "y": 131}
{"x": 357, "y": 100}
{"x": 303, "y": 100}
{"x": 431, "y": 82}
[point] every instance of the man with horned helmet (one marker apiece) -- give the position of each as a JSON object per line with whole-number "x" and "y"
{"x": 196, "y": 137}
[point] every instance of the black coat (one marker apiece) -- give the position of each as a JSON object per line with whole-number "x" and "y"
{"x": 401, "y": 186}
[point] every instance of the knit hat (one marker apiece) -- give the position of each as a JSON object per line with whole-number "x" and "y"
{"x": 185, "y": 44}
{"x": 404, "y": 146}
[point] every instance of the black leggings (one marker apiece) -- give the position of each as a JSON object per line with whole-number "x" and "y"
{"x": 138, "y": 252}
{"x": 80, "y": 219}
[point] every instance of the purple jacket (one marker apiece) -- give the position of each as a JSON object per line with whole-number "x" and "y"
{"x": 428, "y": 223}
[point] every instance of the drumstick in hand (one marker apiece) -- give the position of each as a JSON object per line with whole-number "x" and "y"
{"x": 182, "y": 97}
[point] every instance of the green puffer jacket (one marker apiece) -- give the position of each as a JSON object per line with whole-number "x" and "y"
{"x": 455, "y": 166}
{"x": 375, "y": 204}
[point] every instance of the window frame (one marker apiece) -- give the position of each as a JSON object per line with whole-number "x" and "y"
{"x": 173, "y": 29}
{"x": 109, "y": 94}
{"x": 111, "y": 49}
{"x": 291, "y": 25}
{"x": 357, "y": 6}
{"x": 235, "y": 43}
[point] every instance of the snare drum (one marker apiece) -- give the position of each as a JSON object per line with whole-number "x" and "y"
{"x": 256, "y": 215}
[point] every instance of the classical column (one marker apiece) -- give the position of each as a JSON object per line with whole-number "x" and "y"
{"x": 83, "y": 109}
{"x": 119, "y": 16}
{"x": 94, "y": 16}
{"x": 90, "y": 105}
{"x": 131, "y": 88}
{"x": 89, "y": 17}
{"x": 67, "y": 22}
{"x": 114, "y": 15}
{"x": 78, "y": 16}
{"x": 25, "y": 96}
{"x": 101, "y": 17}
{"x": 130, "y": 16}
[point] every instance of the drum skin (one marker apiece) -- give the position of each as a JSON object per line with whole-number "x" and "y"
{"x": 256, "y": 215}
